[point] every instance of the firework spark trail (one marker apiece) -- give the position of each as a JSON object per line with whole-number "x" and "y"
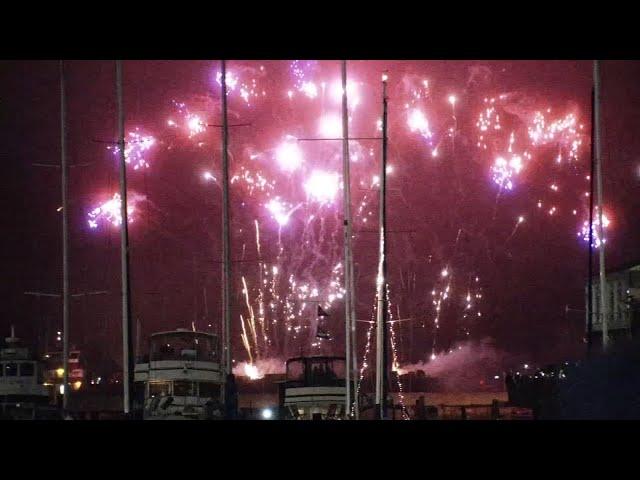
{"x": 367, "y": 349}
{"x": 519, "y": 220}
{"x": 394, "y": 352}
{"x": 245, "y": 340}
{"x": 252, "y": 319}
{"x": 261, "y": 310}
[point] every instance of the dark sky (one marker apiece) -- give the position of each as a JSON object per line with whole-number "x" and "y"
{"x": 526, "y": 280}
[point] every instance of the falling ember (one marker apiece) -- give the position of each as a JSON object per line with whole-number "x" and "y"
{"x": 322, "y": 186}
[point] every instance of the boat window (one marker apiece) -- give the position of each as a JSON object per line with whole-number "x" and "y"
{"x": 26, "y": 369}
{"x": 326, "y": 372}
{"x": 209, "y": 390}
{"x": 295, "y": 371}
{"x": 183, "y": 389}
{"x": 11, "y": 369}
{"x": 158, "y": 388}
{"x": 184, "y": 346}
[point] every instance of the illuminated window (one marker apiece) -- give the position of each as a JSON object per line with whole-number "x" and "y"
{"x": 158, "y": 388}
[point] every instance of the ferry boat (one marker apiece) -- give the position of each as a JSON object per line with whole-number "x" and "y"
{"x": 23, "y": 396}
{"x": 314, "y": 388}
{"x": 181, "y": 377}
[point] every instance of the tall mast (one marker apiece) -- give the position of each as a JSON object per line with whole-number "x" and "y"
{"x": 350, "y": 340}
{"x": 127, "y": 344}
{"x": 598, "y": 164}
{"x": 226, "y": 259}
{"x": 590, "y": 284}
{"x": 65, "y": 239}
{"x": 381, "y": 323}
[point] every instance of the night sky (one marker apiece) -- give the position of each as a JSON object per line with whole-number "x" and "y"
{"x": 446, "y": 210}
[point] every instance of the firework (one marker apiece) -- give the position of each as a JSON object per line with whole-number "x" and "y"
{"x": 595, "y": 227}
{"x": 110, "y": 212}
{"x": 322, "y": 187}
{"x": 135, "y": 149}
{"x": 289, "y": 155}
{"x": 417, "y": 122}
{"x": 330, "y": 126}
{"x": 504, "y": 170}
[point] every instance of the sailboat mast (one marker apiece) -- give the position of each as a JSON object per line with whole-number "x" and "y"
{"x": 598, "y": 164}
{"x": 226, "y": 258}
{"x": 381, "y": 323}
{"x": 127, "y": 344}
{"x": 65, "y": 238}
{"x": 350, "y": 343}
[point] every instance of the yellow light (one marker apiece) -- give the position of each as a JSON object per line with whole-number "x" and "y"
{"x": 77, "y": 384}
{"x": 60, "y": 372}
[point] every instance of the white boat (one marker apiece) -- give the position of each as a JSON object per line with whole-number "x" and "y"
{"x": 180, "y": 378}
{"x": 314, "y": 389}
{"x": 23, "y": 396}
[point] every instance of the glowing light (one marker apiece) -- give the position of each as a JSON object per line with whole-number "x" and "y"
{"x": 110, "y": 210}
{"x": 595, "y": 228}
{"x": 322, "y": 186}
{"x": 289, "y": 155}
{"x": 330, "y": 126}
{"x": 59, "y": 372}
{"x": 353, "y": 95}
{"x": 417, "y": 122}
{"x": 230, "y": 79}
{"x": 452, "y": 99}
{"x": 252, "y": 372}
{"x": 267, "y": 414}
{"x": 309, "y": 89}
{"x": 195, "y": 125}
{"x": 208, "y": 176}
{"x": 279, "y": 212}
